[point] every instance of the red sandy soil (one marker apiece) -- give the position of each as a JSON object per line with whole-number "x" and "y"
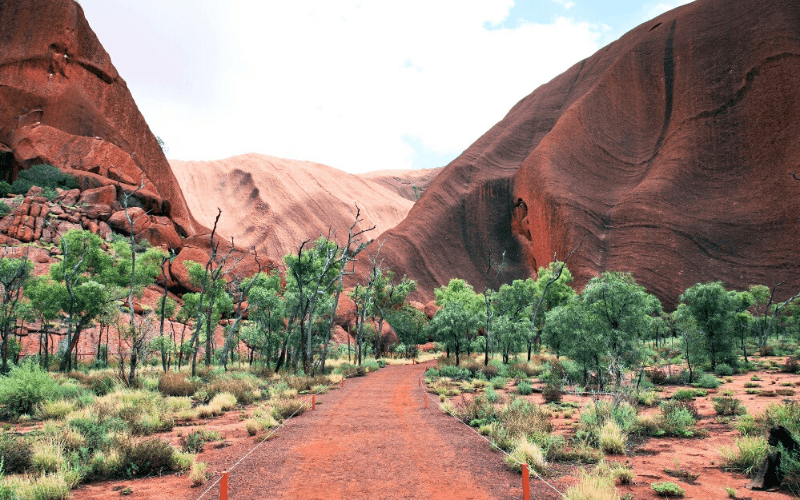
{"x": 373, "y": 439}
{"x": 274, "y": 204}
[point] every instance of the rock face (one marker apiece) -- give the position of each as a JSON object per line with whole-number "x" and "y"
{"x": 62, "y": 102}
{"x": 274, "y": 204}
{"x": 668, "y": 153}
{"x": 410, "y": 184}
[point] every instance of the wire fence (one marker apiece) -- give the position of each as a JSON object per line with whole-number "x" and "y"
{"x": 493, "y": 445}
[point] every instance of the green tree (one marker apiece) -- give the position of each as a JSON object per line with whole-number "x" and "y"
{"x": 266, "y": 315}
{"x": 460, "y": 316}
{"x": 552, "y": 290}
{"x": 621, "y": 311}
{"x": 45, "y": 298}
{"x": 13, "y": 275}
{"x": 408, "y": 323}
{"x": 388, "y": 294}
{"x": 713, "y": 309}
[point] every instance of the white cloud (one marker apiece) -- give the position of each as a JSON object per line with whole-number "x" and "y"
{"x": 341, "y": 83}
{"x": 567, "y": 4}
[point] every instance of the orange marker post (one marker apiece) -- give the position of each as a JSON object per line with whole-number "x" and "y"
{"x": 223, "y": 486}
{"x": 342, "y": 381}
{"x": 526, "y": 479}
{"x": 314, "y": 402}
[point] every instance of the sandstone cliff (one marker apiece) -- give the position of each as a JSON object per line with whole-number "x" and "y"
{"x": 668, "y": 152}
{"x": 63, "y": 103}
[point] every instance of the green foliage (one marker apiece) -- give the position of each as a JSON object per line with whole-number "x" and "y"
{"x": 4, "y": 209}
{"x": 25, "y": 387}
{"x": 461, "y": 315}
{"x": 668, "y": 489}
{"x": 524, "y": 387}
{"x": 16, "y": 453}
{"x": 728, "y": 405}
{"x": 44, "y": 176}
{"x": 746, "y": 456}
{"x": 708, "y": 381}
{"x": 5, "y": 189}
{"x": 723, "y": 370}
{"x": 151, "y": 456}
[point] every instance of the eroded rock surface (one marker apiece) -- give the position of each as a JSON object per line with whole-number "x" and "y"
{"x": 63, "y": 103}
{"x": 668, "y": 153}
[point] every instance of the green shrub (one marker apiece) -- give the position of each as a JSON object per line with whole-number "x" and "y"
{"x": 611, "y": 439}
{"x": 728, "y": 405}
{"x": 677, "y": 418}
{"x": 790, "y": 467}
{"x": 684, "y": 394}
{"x": 5, "y": 189}
{"x": 16, "y": 453}
{"x": 723, "y": 370}
{"x": 491, "y": 395}
{"x": 526, "y": 452}
{"x": 708, "y": 381}
{"x": 4, "y": 208}
{"x": 24, "y": 387}
{"x": 475, "y": 412}
{"x": 498, "y": 382}
{"x": 552, "y": 392}
{"x": 524, "y": 387}
{"x": 432, "y": 373}
{"x": 149, "y": 456}
{"x": 243, "y": 386}
{"x": 746, "y": 456}
{"x": 285, "y": 408}
{"x": 44, "y": 176}
{"x": 523, "y": 418}
{"x": 454, "y": 372}
{"x": 668, "y": 489}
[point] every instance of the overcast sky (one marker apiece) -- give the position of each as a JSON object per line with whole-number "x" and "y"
{"x": 357, "y": 85}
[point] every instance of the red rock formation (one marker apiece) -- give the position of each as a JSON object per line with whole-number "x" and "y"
{"x": 670, "y": 150}
{"x": 410, "y": 184}
{"x": 62, "y": 102}
{"x": 274, "y": 204}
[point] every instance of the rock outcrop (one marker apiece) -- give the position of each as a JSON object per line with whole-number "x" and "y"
{"x": 668, "y": 153}
{"x": 63, "y": 103}
{"x": 274, "y": 204}
{"x": 410, "y": 184}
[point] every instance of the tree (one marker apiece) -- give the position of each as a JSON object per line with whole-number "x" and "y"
{"x": 552, "y": 289}
{"x": 165, "y": 344}
{"x": 266, "y": 315}
{"x": 460, "y": 316}
{"x": 713, "y": 309}
{"x": 13, "y": 275}
{"x": 408, "y": 323}
{"x": 621, "y": 311}
{"x": 387, "y": 295}
{"x": 80, "y": 271}
{"x": 45, "y": 298}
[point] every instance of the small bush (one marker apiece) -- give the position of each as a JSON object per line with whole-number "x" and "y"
{"x": 454, "y": 372}
{"x": 243, "y": 386}
{"x": 491, "y": 395}
{"x": 432, "y": 373}
{"x": 198, "y": 474}
{"x": 44, "y": 176}
{"x": 498, "y": 382}
{"x": 285, "y": 408}
{"x": 552, "y": 393}
{"x": 524, "y": 388}
{"x": 647, "y": 398}
{"x": 746, "y": 456}
{"x": 723, "y": 370}
{"x": 16, "y": 453}
{"x": 5, "y": 189}
{"x": 593, "y": 487}
{"x": 175, "y": 384}
{"x": 727, "y": 405}
{"x": 612, "y": 439}
{"x": 24, "y": 387}
{"x": 708, "y": 381}
{"x": 526, "y": 452}
{"x": 149, "y": 456}
{"x": 57, "y": 409}
{"x": 684, "y": 395}
{"x": 668, "y": 489}
{"x": 792, "y": 365}
{"x": 523, "y": 418}
{"x": 48, "y": 455}
{"x": 4, "y": 208}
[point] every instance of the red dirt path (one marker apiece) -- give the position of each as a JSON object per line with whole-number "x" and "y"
{"x": 373, "y": 439}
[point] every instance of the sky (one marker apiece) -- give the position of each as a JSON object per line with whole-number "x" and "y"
{"x": 358, "y": 85}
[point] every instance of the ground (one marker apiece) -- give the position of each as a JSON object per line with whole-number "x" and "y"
{"x": 375, "y": 439}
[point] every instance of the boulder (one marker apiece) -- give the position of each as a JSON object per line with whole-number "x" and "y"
{"x": 119, "y": 221}
{"x": 105, "y": 195}
{"x": 178, "y": 270}
{"x": 161, "y": 235}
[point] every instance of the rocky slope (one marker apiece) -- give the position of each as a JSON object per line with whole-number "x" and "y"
{"x": 274, "y": 204}
{"x": 668, "y": 153}
{"x": 410, "y": 184}
{"x": 63, "y": 103}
